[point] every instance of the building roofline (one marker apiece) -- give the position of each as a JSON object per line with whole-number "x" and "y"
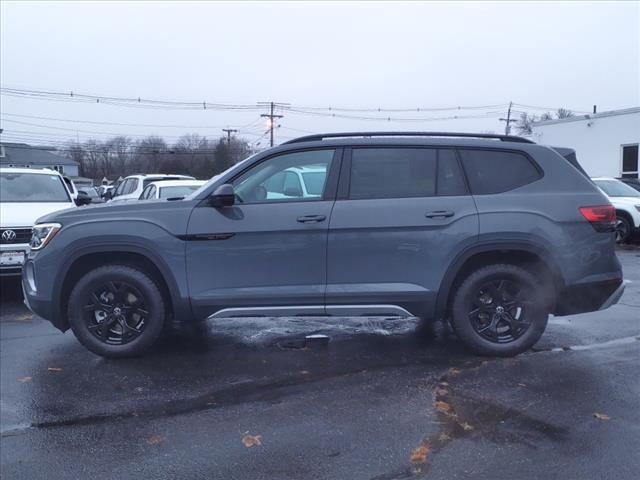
{"x": 591, "y": 116}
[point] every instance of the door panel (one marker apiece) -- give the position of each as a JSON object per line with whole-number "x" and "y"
{"x": 263, "y": 256}
{"x": 269, "y": 249}
{"x": 388, "y": 251}
{"x": 396, "y": 250}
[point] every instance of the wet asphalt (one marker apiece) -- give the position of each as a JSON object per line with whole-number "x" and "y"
{"x": 246, "y": 399}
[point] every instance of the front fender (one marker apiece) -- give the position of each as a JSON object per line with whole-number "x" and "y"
{"x": 165, "y": 250}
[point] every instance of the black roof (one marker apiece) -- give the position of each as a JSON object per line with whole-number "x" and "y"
{"x": 337, "y": 135}
{"x": 23, "y": 154}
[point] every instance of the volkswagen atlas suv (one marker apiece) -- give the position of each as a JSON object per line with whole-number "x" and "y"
{"x": 490, "y": 233}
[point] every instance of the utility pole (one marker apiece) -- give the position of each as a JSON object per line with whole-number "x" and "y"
{"x": 229, "y": 132}
{"x": 508, "y": 120}
{"x": 272, "y": 116}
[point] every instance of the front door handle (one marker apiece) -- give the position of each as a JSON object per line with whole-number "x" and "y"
{"x": 312, "y": 218}
{"x": 439, "y": 214}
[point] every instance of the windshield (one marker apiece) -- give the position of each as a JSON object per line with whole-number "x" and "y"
{"x": 32, "y": 187}
{"x": 615, "y": 188}
{"x": 177, "y": 191}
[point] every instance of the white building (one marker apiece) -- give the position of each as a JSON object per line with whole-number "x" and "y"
{"x": 606, "y": 143}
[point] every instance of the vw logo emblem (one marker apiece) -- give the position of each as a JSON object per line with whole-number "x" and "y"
{"x": 8, "y": 236}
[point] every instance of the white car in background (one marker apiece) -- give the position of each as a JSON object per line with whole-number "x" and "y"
{"x": 132, "y": 186}
{"x": 296, "y": 182}
{"x": 27, "y": 194}
{"x": 626, "y": 201}
{"x": 170, "y": 189}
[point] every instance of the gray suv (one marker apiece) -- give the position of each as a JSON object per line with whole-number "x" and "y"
{"x": 490, "y": 233}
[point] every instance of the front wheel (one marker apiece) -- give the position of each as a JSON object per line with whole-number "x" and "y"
{"x": 500, "y": 310}
{"x": 116, "y": 311}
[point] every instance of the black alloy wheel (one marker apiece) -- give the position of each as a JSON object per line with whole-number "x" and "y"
{"x": 498, "y": 311}
{"x": 117, "y": 310}
{"x": 502, "y": 309}
{"x": 116, "y": 313}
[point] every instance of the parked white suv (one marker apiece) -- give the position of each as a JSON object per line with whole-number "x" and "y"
{"x": 132, "y": 186}
{"x": 170, "y": 189}
{"x": 26, "y": 194}
{"x": 626, "y": 201}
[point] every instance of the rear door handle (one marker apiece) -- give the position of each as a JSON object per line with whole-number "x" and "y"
{"x": 312, "y": 218}
{"x": 439, "y": 214}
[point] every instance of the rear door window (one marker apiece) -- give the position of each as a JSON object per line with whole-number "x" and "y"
{"x": 404, "y": 173}
{"x": 493, "y": 171}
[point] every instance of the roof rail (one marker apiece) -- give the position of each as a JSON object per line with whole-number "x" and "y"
{"x": 322, "y": 136}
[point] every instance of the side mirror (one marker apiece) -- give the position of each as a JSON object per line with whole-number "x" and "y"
{"x": 223, "y": 196}
{"x": 82, "y": 199}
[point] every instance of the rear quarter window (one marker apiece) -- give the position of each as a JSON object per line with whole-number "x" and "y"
{"x": 497, "y": 171}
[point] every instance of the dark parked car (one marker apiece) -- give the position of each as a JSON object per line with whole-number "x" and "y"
{"x": 492, "y": 233}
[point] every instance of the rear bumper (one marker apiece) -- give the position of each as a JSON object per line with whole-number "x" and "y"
{"x": 589, "y": 297}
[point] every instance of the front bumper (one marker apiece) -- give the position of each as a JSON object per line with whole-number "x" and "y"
{"x": 589, "y": 297}
{"x": 40, "y": 305}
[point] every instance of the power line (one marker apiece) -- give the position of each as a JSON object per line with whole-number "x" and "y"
{"x": 148, "y": 125}
{"x": 140, "y": 102}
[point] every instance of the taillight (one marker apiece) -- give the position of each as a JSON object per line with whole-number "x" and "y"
{"x": 601, "y": 217}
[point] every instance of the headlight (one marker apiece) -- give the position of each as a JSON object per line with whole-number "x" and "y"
{"x": 42, "y": 234}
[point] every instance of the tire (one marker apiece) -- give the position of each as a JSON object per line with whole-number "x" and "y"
{"x": 623, "y": 229}
{"x": 500, "y": 310}
{"x": 116, "y": 311}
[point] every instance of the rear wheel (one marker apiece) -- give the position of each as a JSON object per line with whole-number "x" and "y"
{"x": 116, "y": 311}
{"x": 500, "y": 310}
{"x": 623, "y": 229}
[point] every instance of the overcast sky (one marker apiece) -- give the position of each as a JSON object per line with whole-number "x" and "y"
{"x": 363, "y": 55}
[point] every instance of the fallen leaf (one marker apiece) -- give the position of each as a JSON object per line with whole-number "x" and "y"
{"x": 251, "y": 440}
{"x": 522, "y": 384}
{"x": 25, "y": 317}
{"x": 419, "y": 454}
{"x": 444, "y": 437}
{"x": 155, "y": 440}
{"x": 465, "y": 426}
{"x": 444, "y": 384}
{"x": 602, "y": 416}
{"x": 454, "y": 371}
{"x": 54, "y": 369}
{"x": 24, "y": 379}
{"x": 304, "y": 372}
{"x": 442, "y": 406}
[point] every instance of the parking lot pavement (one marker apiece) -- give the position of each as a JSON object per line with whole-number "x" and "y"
{"x": 244, "y": 400}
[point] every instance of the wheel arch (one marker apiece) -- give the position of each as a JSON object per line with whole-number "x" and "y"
{"x": 527, "y": 254}
{"x": 87, "y": 259}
